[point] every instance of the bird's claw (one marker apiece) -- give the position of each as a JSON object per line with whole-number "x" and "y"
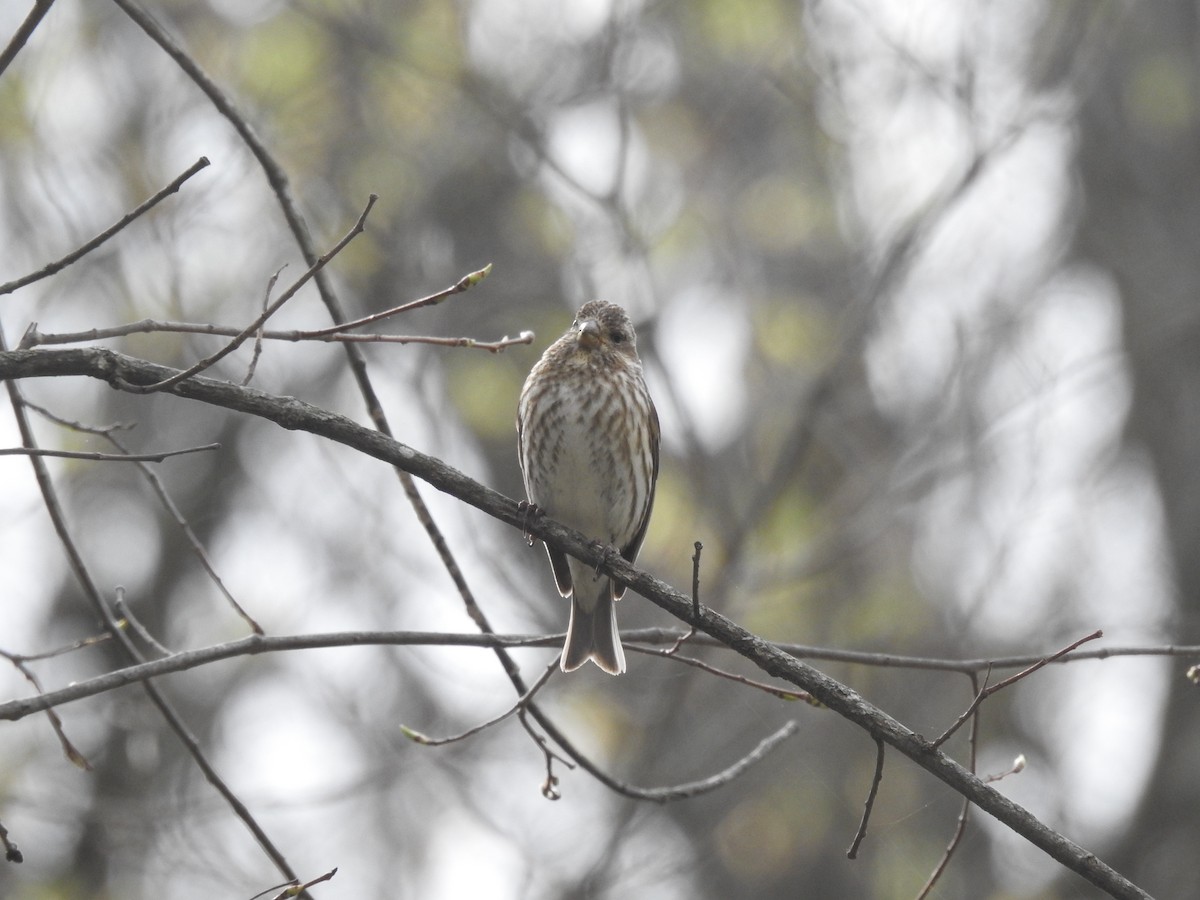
{"x": 528, "y": 511}
{"x": 607, "y": 553}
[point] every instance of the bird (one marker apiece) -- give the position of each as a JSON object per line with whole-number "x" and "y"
{"x": 588, "y": 436}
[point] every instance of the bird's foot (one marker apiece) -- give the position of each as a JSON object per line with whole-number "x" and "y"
{"x": 528, "y": 511}
{"x": 607, "y": 553}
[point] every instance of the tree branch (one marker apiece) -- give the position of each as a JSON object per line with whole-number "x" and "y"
{"x": 88, "y": 246}
{"x": 22, "y": 35}
{"x": 104, "y": 457}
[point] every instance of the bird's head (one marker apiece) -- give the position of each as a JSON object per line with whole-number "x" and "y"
{"x": 601, "y": 326}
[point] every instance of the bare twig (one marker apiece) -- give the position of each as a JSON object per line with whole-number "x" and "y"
{"x": 252, "y": 645}
{"x": 297, "y": 889}
{"x": 105, "y": 457}
{"x": 1042, "y": 662}
{"x": 254, "y": 326}
{"x": 550, "y": 785}
{"x": 35, "y": 338}
{"x": 927, "y": 663}
{"x": 691, "y": 632}
{"x": 465, "y": 283}
{"x": 69, "y": 750}
{"x": 22, "y": 35}
{"x": 121, "y": 608}
{"x": 85, "y": 248}
{"x": 294, "y": 888}
{"x": 964, "y": 814}
{"x": 724, "y": 777}
{"x": 869, "y": 804}
{"x": 80, "y": 644}
{"x": 970, "y": 711}
{"x": 497, "y": 346}
{"x": 193, "y": 540}
{"x": 78, "y": 426}
{"x": 987, "y": 691}
{"x": 671, "y": 653}
{"x": 258, "y": 335}
{"x": 965, "y": 666}
{"x": 522, "y": 701}
{"x": 960, "y": 829}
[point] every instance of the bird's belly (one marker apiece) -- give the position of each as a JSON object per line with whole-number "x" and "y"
{"x": 580, "y": 491}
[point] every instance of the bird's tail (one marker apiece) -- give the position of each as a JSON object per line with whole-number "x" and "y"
{"x": 592, "y": 634}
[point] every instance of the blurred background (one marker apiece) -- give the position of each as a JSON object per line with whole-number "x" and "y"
{"x": 917, "y": 294}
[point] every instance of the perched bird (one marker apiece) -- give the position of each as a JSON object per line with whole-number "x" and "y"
{"x": 588, "y": 433}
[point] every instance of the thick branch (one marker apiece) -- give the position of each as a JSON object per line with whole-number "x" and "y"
{"x": 291, "y": 413}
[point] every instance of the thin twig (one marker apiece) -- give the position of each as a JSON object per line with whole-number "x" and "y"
{"x": 417, "y": 737}
{"x": 252, "y": 645}
{"x": 691, "y": 632}
{"x": 78, "y": 426}
{"x": 550, "y": 785}
{"x": 671, "y": 653}
{"x": 1012, "y": 679}
{"x": 964, "y": 814}
{"x": 35, "y": 338}
{"x": 105, "y": 457}
{"x": 1000, "y": 685}
{"x": 121, "y": 608}
{"x": 465, "y": 283}
{"x": 852, "y": 853}
{"x": 22, "y": 35}
{"x": 258, "y": 335}
{"x": 970, "y": 711}
{"x": 497, "y": 346}
{"x": 85, "y": 248}
{"x": 82, "y": 643}
{"x": 725, "y": 776}
{"x": 253, "y": 327}
{"x": 927, "y": 663}
{"x": 295, "y": 889}
{"x": 69, "y": 750}
{"x": 190, "y": 535}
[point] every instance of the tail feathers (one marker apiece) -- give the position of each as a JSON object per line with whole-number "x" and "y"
{"x": 592, "y": 634}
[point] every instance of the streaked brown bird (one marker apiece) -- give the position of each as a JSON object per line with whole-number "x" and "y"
{"x": 588, "y": 441}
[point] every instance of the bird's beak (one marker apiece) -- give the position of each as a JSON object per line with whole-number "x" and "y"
{"x": 589, "y": 334}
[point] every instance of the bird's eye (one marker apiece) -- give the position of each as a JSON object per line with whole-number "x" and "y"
{"x": 617, "y": 336}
